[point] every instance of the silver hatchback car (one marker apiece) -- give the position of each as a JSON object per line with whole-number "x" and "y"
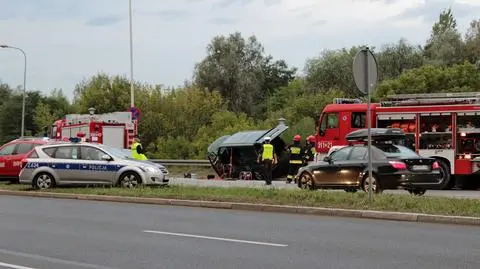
{"x": 82, "y": 163}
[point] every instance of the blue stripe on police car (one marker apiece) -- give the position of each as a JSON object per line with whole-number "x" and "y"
{"x": 75, "y": 166}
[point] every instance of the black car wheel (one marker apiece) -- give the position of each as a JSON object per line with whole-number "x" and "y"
{"x": 375, "y": 186}
{"x": 417, "y": 192}
{"x": 446, "y": 181}
{"x": 306, "y": 182}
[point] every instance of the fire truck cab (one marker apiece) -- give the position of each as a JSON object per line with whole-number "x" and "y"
{"x": 116, "y": 129}
{"x": 445, "y": 126}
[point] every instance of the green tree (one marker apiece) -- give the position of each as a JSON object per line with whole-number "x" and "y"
{"x": 332, "y": 70}
{"x": 394, "y": 59}
{"x": 104, "y": 93}
{"x": 430, "y": 79}
{"x": 472, "y": 42}
{"x": 223, "y": 123}
{"x": 238, "y": 69}
{"x": 43, "y": 116}
{"x": 445, "y": 46}
{"x": 58, "y": 103}
{"x": 11, "y": 111}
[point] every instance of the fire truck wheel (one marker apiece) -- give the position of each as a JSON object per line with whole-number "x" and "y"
{"x": 130, "y": 179}
{"x": 375, "y": 186}
{"x": 43, "y": 181}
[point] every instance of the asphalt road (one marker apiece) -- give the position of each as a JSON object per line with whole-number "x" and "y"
{"x": 42, "y": 233}
{"x": 282, "y": 184}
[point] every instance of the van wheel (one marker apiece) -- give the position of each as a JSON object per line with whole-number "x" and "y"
{"x": 43, "y": 181}
{"x": 258, "y": 176}
{"x": 130, "y": 180}
{"x": 375, "y": 185}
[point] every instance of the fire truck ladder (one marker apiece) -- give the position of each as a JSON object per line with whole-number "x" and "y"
{"x": 432, "y": 99}
{"x": 340, "y": 101}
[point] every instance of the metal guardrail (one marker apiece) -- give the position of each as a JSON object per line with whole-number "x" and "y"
{"x": 169, "y": 162}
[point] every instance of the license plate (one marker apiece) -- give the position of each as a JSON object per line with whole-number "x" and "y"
{"x": 421, "y": 167}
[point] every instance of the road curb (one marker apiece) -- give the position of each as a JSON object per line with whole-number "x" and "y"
{"x": 319, "y": 211}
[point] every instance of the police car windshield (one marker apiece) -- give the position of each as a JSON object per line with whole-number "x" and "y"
{"x": 116, "y": 152}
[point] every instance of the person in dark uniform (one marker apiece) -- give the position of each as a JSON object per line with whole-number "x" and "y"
{"x": 309, "y": 152}
{"x": 295, "y": 151}
{"x": 267, "y": 156}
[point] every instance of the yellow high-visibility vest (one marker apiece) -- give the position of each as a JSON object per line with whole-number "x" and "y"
{"x": 295, "y": 155}
{"x": 136, "y": 155}
{"x": 267, "y": 152}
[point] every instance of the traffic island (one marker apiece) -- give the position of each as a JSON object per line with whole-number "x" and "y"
{"x": 385, "y": 206}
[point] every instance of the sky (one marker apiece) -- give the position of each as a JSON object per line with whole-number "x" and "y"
{"x": 70, "y": 40}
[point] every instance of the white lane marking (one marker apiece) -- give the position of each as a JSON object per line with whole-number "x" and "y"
{"x": 52, "y": 260}
{"x": 218, "y": 238}
{"x": 13, "y": 266}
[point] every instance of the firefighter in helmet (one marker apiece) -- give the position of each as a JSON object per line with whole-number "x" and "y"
{"x": 309, "y": 152}
{"x": 295, "y": 160}
{"x": 137, "y": 150}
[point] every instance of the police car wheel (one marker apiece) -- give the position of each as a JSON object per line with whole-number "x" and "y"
{"x": 129, "y": 180}
{"x": 43, "y": 181}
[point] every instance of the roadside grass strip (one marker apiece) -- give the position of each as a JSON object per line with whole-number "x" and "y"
{"x": 271, "y": 196}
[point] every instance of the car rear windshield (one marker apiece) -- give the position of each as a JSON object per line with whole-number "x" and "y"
{"x": 396, "y": 151}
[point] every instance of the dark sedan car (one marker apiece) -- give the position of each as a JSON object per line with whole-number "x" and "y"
{"x": 394, "y": 166}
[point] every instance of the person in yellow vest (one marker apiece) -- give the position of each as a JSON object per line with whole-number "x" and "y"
{"x": 268, "y": 157}
{"x": 137, "y": 150}
{"x": 295, "y": 162}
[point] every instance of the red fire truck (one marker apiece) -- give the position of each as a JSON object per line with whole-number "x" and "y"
{"x": 443, "y": 126}
{"x": 116, "y": 129}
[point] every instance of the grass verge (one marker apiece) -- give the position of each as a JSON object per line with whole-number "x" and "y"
{"x": 383, "y": 202}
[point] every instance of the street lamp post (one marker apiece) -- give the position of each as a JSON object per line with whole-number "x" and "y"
{"x": 24, "y": 84}
{"x": 131, "y": 54}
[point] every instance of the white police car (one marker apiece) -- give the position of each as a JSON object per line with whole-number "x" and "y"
{"x": 57, "y": 164}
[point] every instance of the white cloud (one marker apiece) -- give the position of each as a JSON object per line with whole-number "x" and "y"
{"x": 67, "y": 40}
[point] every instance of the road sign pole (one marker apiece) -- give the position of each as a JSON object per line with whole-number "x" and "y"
{"x": 365, "y": 74}
{"x": 369, "y": 124}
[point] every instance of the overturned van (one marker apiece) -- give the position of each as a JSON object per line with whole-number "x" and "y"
{"x": 235, "y": 156}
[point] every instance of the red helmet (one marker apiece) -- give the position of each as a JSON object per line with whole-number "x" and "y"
{"x": 297, "y": 138}
{"x": 311, "y": 139}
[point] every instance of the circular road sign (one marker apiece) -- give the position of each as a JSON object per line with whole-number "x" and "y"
{"x": 365, "y": 70}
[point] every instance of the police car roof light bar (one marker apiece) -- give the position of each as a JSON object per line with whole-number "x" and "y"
{"x": 74, "y": 139}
